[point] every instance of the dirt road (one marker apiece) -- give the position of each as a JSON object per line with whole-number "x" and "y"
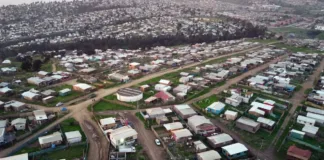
{"x": 146, "y": 139}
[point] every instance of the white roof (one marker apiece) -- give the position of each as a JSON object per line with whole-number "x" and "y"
{"x": 7, "y": 61}
{"x": 298, "y": 132}
{"x": 261, "y": 105}
{"x": 216, "y": 106}
{"x": 42, "y": 73}
{"x": 23, "y": 156}
{"x": 248, "y": 121}
{"x": 197, "y": 120}
{"x": 2, "y": 132}
{"x": 73, "y": 134}
{"x": 164, "y": 81}
{"x": 310, "y": 129}
{"x": 155, "y": 111}
{"x": 167, "y": 110}
{"x": 209, "y": 155}
{"x": 315, "y": 116}
{"x": 56, "y": 136}
{"x": 220, "y": 138}
{"x": 199, "y": 145}
{"x": 5, "y": 89}
{"x": 315, "y": 110}
{"x": 107, "y": 121}
{"x": 268, "y": 101}
{"x": 173, "y": 126}
{"x": 266, "y": 121}
{"x": 18, "y": 121}
{"x": 182, "y": 106}
{"x": 29, "y": 94}
{"x": 229, "y": 112}
{"x": 14, "y": 104}
{"x": 235, "y": 148}
{"x": 40, "y": 115}
{"x": 182, "y": 133}
{"x": 83, "y": 86}
{"x": 123, "y": 132}
{"x": 306, "y": 119}
{"x": 3, "y": 123}
{"x": 65, "y": 90}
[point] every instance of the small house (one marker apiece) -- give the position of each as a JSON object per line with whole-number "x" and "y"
{"x": 155, "y": 112}
{"x": 165, "y": 82}
{"x": 220, "y": 140}
{"x": 108, "y": 123}
{"x": 181, "y": 135}
{"x": 50, "y": 140}
{"x": 266, "y": 123}
{"x": 216, "y": 108}
{"x": 181, "y": 88}
{"x": 247, "y": 124}
{"x": 230, "y": 115}
{"x": 297, "y": 134}
{"x": 235, "y": 100}
{"x": 125, "y": 135}
{"x": 48, "y": 99}
{"x": 310, "y": 130}
{"x": 82, "y": 87}
{"x": 14, "y": 105}
{"x": 19, "y": 123}
{"x": 73, "y": 137}
{"x": 318, "y": 118}
{"x": 165, "y": 96}
{"x": 200, "y": 146}
{"x": 295, "y": 153}
{"x": 305, "y": 120}
{"x": 200, "y": 125}
{"x": 184, "y": 111}
{"x": 173, "y": 126}
{"x": 209, "y": 155}
{"x": 31, "y": 96}
{"x": 40, "y": 116}
{"x": 65, "y": 92}
{"x": 235, "y": 151}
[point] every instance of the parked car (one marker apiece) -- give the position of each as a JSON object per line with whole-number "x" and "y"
{"x": 157, "y": 142}
{"x": 59, "y": 104}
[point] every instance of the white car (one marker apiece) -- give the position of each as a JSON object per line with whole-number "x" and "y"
{"x": 157, "y": 142}
{"x": 59, "y": 104}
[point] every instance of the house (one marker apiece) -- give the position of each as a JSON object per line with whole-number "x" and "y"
{"x": 165, "y": 96}
{"x": 295, "y": 153}
{"x": 220, "y": 140}
{"x": 235, "y": 100}
{"x": 82, "y": 87}
{"x": 260, "y": 109}
{"x": 161, "y": 120}
{"x": 216, "y": 108}
{"x": 40, "y": 116}
{"x": 310, "y": 130}
{"x": 19, "y": 123}
{"x": 181, "y": 135}
{"x": 36, "y": 81}
{"x": 118, "y": 77}
{"x": 5, "y": 91}
{"x": 48, "y": 92}
{"x": 14, "y": 105}
{"x": 165, "y": 82}
{"x": 122, "y": 136}
{"x": 184, "y": 111}
{"x": 31, "y": 96}
{"x": 162, "y": 87}
{"x": 200, "y": 146}
{"x": 144, "y": 87}
{"x": 184, "y": 80}
{"x": 65, "y": 92}
{"x": 266, "y": 123}
{"x": 222, "y": 74}
{"x": 42, "y": 74}
{"x": 247, "y": 124}
{"x": 173, "y": 126}
{"x": 134, "y": 65}
{"x": 209, "y": 155}
{"x": 50, "y": 140}
{"x": 230, "y": 115}
{"x": 297, "y": 134}
{"x": 87, "y": 71}
{"x": 108, "y": 123}
{"x": 23, "y": 156}
{"x": 155, "y": 112}
{"x": 200, "y": 125}
{"x": 48, "y": 99}
{"x": 235, "y": 151}
{"x": 315, "y": 110}
{"x": 181, "y": 88}
{"x": 318, "y": 118}
{"x": 73, "y": 137}
{"x": 305, "y": 120}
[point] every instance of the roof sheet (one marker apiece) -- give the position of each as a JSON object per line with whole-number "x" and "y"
{"x": 235, "y": 148}
{"x": 209, "y": 155}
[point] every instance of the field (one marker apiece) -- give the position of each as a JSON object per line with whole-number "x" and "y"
{"x": 69, "y": 153}
{"x": 103, "y": 106}
{"x": 298, "y": 32}
{"x": 298, "y": 49}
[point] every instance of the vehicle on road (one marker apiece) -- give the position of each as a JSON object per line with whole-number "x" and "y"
{"x": 157, "y": 142}
{"x": 59, "y": 104}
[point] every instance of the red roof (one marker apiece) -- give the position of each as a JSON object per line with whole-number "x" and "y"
{"x": 299, "y": 152}
{"x": 162, "y": 95}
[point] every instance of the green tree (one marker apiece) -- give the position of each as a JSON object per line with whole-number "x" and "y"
{"x": 26, "y": 66}
{"x": 37, "y": 64}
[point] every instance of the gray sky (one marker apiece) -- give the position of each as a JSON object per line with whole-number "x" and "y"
{"x": 7, "y": 2}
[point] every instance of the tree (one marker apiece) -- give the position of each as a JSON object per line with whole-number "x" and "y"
{"x": 26, "y": 66}
{"x": 37, "y": 64}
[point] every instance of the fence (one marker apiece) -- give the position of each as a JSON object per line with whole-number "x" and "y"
{"x": 317, "y": 148}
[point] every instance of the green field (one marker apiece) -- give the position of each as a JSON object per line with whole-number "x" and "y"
{"x": 204, "y": 103}
{"x": 103, "y": 106}
{"x": 298, "y": 49}
{"x": 68, "y": 153}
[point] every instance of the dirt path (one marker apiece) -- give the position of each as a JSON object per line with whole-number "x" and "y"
{"x": 53, "y": 67}
{"x": 146, "y": 139}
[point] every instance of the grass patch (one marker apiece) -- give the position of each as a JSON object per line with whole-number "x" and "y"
{"x": 103, "y": 106}
{"x": 297, "y": 49}
{"x": 73, "y": 95}
{"x": 308, "y": 91}
{"x": 70, "y": 153}
{"x": 207, "y": 101}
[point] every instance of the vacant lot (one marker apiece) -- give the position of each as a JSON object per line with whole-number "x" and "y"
{"x": 103, "y": 106}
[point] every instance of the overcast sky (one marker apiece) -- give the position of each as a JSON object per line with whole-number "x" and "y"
{"x": 7, "y": 2}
